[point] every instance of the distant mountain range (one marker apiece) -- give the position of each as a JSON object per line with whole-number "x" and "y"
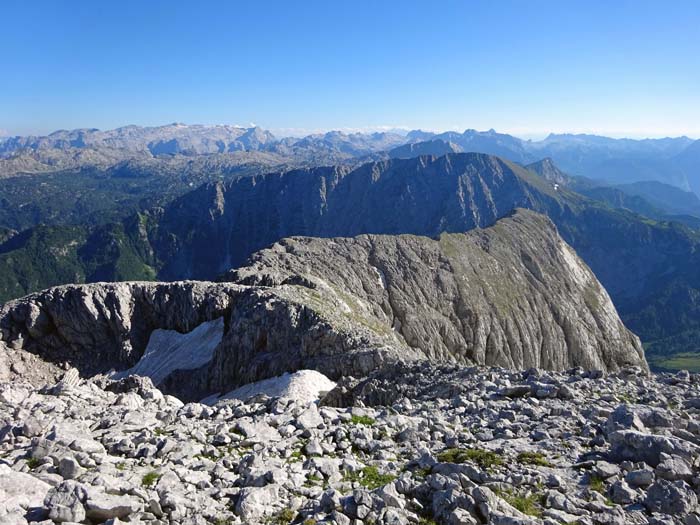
{"x": 674, "y": 161}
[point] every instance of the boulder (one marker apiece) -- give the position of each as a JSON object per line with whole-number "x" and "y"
{"x": 670, "y": 497}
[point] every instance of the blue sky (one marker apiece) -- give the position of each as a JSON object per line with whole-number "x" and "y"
{"x": 622, "y": 68}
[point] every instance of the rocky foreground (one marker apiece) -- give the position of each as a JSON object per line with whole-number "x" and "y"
{"x": 411, "y": 444}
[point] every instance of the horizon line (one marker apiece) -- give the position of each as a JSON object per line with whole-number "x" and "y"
{"x": 524, "y": 134}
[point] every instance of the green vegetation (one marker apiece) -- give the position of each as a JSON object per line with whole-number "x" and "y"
{"x": 33, "y": 463}
{"x": 313, "y": 480}
{"x": 422, "y": 473}
{"x": 369, "y": 477}
{"x": 679, "y": 361}
{"x": 596, "y": 483}
{"x": 362, "y": 420}
{"x": 533, "y": 458}
{"x": 87, "y": 196}
{"x": 485, "y": 459}
{"x": 283, "y": 517}
{"x": 530, "y": 504}
{"x": 120, "y": 466}
{"x": 150, "y": 479}
{"x": 296, "y": 455}
{"x": 50, "y": 255}
{"x": 627, "y": 398}
{"x": 525, "y": 504}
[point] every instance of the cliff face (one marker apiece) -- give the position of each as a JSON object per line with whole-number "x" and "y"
{"x": 512, "y": 295}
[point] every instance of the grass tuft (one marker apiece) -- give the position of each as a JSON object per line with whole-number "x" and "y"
{"x": 283, "y": 517}
{"x": 33, "y": 463}
{"x": 369, "y": 477}
{"x": 485, "y": 459}
{"x": 150, "y": 479}
{"x": 362, "y": 420}
{"x": 596, "y": 483}
{"x": 533, "y": 458}
{"x": 529, "y": 504}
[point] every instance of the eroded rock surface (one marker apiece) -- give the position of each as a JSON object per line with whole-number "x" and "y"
{"x": 512, "y": 295}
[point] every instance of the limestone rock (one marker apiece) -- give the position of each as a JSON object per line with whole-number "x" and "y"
{"x": 462, "y": 296}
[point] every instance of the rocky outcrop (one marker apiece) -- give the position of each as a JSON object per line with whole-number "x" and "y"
{"x": 106, "y": 327}
{"x": 512, "y": 295}
{"x": 649, "y": 268}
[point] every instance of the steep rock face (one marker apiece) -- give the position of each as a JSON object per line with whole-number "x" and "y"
{"x": 107, "y": 326}
{"x": 649, "y": 268}
{"x": 512, "y": 295}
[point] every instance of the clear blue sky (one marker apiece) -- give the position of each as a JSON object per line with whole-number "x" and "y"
{"x": 525, "y": 67}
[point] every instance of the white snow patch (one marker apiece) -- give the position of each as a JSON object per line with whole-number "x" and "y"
{"x": 304, "y": 386}
{"x": 380, "y": 276}
{"x": 169, "y": 350}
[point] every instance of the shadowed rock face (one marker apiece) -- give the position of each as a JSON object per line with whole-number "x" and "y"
{"x": 107, "y": 326}
{"x": 512, "y": 295}
{"x": 219, "y": 226}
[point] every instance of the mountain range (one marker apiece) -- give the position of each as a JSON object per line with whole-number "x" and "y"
{"x": 673, "y": 161}
{"x": 649, "y": 267}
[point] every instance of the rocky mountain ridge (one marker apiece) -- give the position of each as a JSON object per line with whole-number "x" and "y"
{"x": 641, "y": 262}
{"x": 174, "y": 147}
{"x": 511, "y": 295}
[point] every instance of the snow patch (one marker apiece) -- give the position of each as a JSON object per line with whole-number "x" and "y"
{"x": 169, "y": 350}
{"x": 380, "y": 276}
{"x": 304, "y": 386}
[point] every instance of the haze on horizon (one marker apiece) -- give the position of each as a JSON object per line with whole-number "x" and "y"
{"x": 628, "y": 69}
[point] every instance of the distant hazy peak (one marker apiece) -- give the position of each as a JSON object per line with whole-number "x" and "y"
{"x": 547, "y": 169}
